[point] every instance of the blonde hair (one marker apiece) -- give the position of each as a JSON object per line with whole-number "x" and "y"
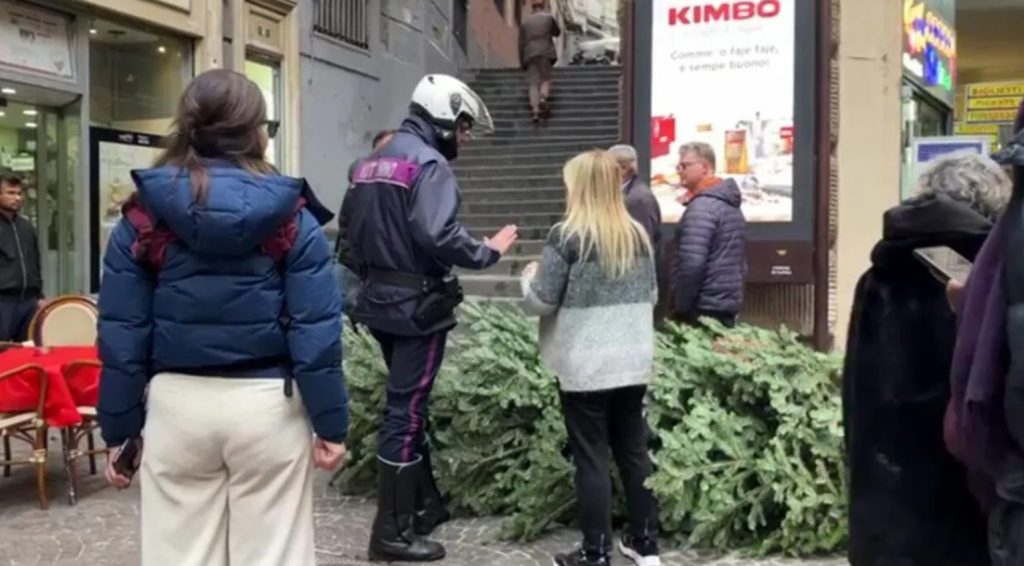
{"x": 596, "y": 213}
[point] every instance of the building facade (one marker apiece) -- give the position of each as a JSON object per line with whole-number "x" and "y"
{"x": 89, "y": 88}
{"x": 356, "y": 77}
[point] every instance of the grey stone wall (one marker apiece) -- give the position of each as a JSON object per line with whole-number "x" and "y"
{"x": 348, "y": 94}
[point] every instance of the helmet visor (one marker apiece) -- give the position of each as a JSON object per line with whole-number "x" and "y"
{"x": 482, "y": 122}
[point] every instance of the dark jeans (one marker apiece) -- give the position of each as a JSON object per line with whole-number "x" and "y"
{"x": 15, "y": 317}
{"x": 413, "y": 363}
{"x": 596, "y": 421}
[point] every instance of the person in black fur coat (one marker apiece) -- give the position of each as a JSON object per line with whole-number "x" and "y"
{"x": 909, "y": 503}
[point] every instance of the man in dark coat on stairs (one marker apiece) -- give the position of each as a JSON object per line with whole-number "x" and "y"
{"x": 537, "y": 55}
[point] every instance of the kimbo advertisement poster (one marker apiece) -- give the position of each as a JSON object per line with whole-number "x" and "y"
{"x": 722, "y": 73}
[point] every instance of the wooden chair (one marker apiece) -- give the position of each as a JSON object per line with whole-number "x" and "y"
{"x": 30, "y": 427}
{"x": 65, "y": 321}
{"x": 71, "y": 320}
{"x": 72, "y": 436}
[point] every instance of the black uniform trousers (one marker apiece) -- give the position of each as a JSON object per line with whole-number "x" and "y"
{"x": 413, "y": 363}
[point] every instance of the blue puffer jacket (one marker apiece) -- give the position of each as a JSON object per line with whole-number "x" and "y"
{"x": 219, "y": 306}
{"x": 710, "y": 263}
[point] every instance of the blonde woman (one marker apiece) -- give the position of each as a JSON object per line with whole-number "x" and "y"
{"x": 595, "y": 291}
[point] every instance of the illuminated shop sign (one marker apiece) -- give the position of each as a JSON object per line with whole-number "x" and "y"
{"x": 929, "y": 46}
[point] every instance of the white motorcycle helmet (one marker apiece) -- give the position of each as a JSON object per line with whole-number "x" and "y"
{"x": 446, "y": 101}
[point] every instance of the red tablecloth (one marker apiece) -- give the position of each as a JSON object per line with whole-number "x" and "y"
{"x": 63, "y": 397}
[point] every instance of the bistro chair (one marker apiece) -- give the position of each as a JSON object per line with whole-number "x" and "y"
{"x": 78, "y": 374}
{"x": 65, "y": 321}
{"x": 28, "y": 426}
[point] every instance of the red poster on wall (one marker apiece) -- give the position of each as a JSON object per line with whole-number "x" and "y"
{"x": 663, "y": 133}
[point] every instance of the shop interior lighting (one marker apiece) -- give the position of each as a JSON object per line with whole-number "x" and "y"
{"x": 161, "y": 49}
{"x": 2, "y": 114}
{"x": 92, "y": 31}
{"x": 30, "y": 124}
{"x": 30, "y": 112}
{"x": 8, "y": 90}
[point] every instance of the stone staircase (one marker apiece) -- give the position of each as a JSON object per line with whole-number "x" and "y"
{"x": 514, "y": 176}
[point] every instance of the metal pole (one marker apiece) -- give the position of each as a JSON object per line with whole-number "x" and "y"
{"x": 628, "y": 58}
{"x": 823, "y": 175}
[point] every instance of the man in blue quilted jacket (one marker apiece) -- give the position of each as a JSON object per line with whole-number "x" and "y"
{"x": 710, "y": 262}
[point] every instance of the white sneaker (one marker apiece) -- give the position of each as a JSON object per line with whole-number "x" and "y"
{"x": 642, "y": 553}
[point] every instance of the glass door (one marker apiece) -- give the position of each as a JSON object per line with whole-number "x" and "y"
{"x": 53, "y": 196}
{"x": 266, "y": 73}
{"x": 923, "y": 117}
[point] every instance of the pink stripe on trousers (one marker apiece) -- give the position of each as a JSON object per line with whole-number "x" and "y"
{"x": 417, "y": 398}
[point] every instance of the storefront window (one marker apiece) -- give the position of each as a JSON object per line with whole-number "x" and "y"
{"x": 267, "y": 75}
{"x": 136, "y": 77}
{"x": 923, "y": 117}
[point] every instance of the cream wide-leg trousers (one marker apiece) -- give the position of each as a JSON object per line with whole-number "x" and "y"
{"x": 227, "y": 475}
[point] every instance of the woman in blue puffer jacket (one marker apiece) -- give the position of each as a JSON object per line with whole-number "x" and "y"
{"x": 217, "y": 294}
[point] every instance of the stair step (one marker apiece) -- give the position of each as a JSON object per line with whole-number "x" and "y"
{"x": 525, "y": 232}
{"x": 560, "y": 72}
{"x": 508, "y": 266}
{"x": 554, "y": 159}
{"x": 491, "y": 285}
{"x": 519, "y": 108}
{"x": 521, "y": 117}
{"x": 524, "y": 247}
{"x": 531, "y": 145}
{"x": 529, "y": 170}
{"x": 523, "y": 120}
{"x": 515, "y": 97}
{"x": 513, "y": 182}
{"x": 581, "y": 80}
{"x": 513, "y": 207}
{"x": 474, "y": 195}
{"x": 471, "y": 221}
{"x": 564, "y": 93}
{"x": 529, "y": 130}
{"x": 558, "y": 107}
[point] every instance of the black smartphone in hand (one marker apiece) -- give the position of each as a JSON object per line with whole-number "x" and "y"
{"x": 944, "y": 263}
{"x": 125, "y": 458}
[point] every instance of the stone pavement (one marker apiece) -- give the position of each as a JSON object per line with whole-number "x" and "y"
{"x": 102, "y": 530}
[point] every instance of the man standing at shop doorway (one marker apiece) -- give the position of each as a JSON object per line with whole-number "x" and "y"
{"x": 21, "y": 280}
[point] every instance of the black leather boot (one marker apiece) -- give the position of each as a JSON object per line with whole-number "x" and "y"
{"x": 393, "y": 538}
{"x": 430, "y": 505}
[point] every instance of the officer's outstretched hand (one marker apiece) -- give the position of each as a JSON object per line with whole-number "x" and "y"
{"x": 503, "y": 240}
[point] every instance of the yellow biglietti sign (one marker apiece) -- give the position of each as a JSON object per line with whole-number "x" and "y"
{"x": 987, "y": 106}
{"x": 992, "y": 103}
{"x": 982, "y": 90}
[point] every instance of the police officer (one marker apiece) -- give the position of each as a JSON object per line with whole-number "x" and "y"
{"x": 402, "y": 238}
{"x": 347, "y": 280}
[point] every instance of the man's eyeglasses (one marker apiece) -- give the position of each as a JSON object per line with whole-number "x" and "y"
{"x": 272, "y": 126}
{"x": 683, "y": 166}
